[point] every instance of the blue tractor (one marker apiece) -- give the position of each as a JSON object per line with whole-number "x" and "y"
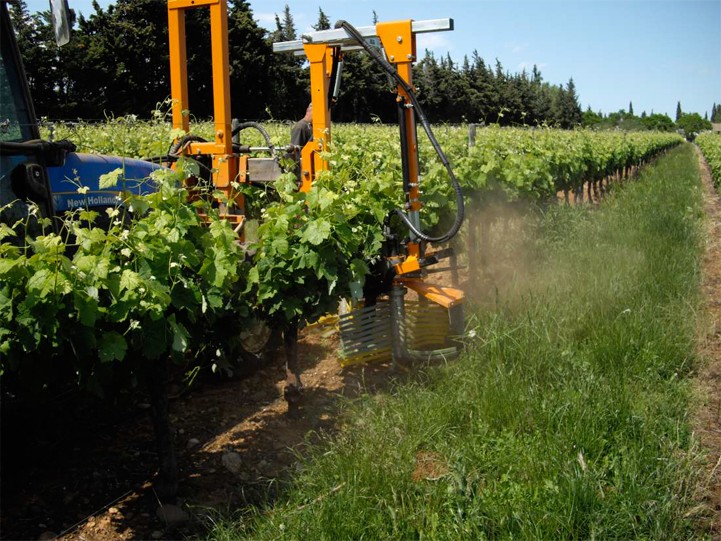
{"x": 42, "y": 172}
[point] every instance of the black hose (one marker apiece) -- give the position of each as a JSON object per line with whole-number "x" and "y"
{"x": 260, "y": 128}
{"x": 179, "y": 144}
{"x": 388, "y": 67}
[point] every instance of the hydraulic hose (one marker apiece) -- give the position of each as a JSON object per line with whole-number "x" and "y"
{"x": 388, "y": 68}
{"x": 260, "y": 128}
{"x": 179, "y": 144}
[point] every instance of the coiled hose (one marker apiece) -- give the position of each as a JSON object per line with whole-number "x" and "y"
{"x": 388, "y": 68}
{"x": 260, "y": 128}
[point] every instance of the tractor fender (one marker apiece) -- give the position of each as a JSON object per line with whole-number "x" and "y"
{"x": 67, "y": 182}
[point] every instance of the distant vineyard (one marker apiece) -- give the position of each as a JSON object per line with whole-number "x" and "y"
{"x": 531, "y": 162}
{"x": 710, "y": 145}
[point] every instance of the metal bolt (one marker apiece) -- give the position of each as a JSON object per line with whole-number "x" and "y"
{"x": 393, "y": 58}
{"x": 399, "y": 39}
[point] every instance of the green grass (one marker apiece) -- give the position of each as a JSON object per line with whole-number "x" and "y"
{"x": 567, "y": 418}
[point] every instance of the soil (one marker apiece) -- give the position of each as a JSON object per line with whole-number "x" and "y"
{"x": 236, "y": 444}
{"x": 234, "y": 441}
{"x": 707, "y": 422}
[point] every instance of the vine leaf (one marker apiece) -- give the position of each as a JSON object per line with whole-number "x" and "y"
{"x": 110, "y": 179}
{"x": 181, "y": 336}
{"x": 316, "y": 232}
{"x": 112, "y": 347}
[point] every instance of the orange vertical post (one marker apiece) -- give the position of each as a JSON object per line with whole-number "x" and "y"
{"x": 225, "y": 163}
{"x": 320, "y": 57}
{"x": 178, "y": 67}
{"x": 399, "y": 43}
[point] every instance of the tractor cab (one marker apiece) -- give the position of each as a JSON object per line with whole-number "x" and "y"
{"x": 47, "y": 173}
{"x": 23, "y": 158}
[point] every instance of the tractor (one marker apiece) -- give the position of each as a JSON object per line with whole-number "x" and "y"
{"x": 44, "y": 172}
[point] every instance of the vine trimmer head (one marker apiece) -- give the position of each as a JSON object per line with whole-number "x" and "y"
{"x": 392, "y": 323}
{"x": 403, "y": 328}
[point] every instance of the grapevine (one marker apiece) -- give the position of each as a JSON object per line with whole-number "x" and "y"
{"x": 710, "y": 145}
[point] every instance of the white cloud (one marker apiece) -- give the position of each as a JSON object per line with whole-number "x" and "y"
{"x": 266, "y": 20}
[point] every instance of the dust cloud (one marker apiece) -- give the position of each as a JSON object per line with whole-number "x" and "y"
{"x": 499, "y": 251}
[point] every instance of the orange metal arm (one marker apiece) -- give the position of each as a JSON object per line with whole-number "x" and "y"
{"x": 445, "y": 296}
{"x": 320, "y": 57}
{"x": 225, "y": 165}
{"x": 399, "y": 43}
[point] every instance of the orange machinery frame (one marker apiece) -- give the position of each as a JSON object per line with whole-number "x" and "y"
{"x": 398, "y": 39}
{"x": 399, "y": 42}
{"x": 226, "y": 166}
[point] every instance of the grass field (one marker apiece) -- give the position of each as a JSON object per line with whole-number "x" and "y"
{"x": 567, "y": 418}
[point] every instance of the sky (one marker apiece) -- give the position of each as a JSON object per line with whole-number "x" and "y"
{"x": 651, "y": 53}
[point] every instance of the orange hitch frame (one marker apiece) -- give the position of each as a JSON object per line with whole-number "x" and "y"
{"x": 227, "y": 167}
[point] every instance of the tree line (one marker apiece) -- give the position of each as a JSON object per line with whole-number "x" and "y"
{"x": 117, "y": 63}
{"x": 689, "y": 123}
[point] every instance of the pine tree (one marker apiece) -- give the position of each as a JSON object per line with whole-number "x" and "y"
{"x": 287, "y": 77}
{"x": 250, "y": 59}
{"x": 568, "y": 111}
{"x": 277, "y": 34}
{"x": 323, "y": 21}
{"x": 288, "y": 25}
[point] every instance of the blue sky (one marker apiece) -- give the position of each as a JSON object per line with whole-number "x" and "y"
{"x": 652, "y": 53}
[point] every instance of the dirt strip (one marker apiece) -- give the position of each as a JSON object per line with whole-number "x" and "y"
{"x": 707, "y": 423}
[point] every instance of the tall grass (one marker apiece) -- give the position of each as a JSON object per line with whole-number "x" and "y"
{"x": 565, "y": 419}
